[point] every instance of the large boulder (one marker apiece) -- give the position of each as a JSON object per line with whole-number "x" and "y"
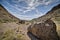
{"x": 44, "y": 31}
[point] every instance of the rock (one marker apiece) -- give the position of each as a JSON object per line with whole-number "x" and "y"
{"x": 44, "y": 31}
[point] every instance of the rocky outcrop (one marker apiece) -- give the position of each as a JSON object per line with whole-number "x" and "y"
{"x": 44, "y": 31}
{"x": 45, "y": 27}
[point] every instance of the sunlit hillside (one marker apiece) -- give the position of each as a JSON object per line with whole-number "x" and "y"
{"x": 10, "y": 26}
{"x": 53, "y": 14}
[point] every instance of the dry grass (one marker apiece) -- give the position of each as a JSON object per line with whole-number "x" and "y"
{"x": 11, "y": 34}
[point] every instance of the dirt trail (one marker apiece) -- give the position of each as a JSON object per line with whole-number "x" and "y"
{"x": 19, "y": 27}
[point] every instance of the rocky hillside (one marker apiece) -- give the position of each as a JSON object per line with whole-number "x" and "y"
{"x": 5, "y": 16}
{"x": 53, "y": 13}
{"x": 47, "y": 27}
{"x": 11, "y": 28}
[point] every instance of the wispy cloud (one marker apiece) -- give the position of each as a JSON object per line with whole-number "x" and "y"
{"x": 14, "y": 7}
{"x": 31, "y": 5}
{"x": 38, "y": 14}
{"x": 23, "y": 17}
{"x": 34, "y": 3}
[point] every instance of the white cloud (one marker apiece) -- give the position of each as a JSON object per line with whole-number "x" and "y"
{"x": 32, "y": 4}
{"x": 26, "y": 18}
{"x": 14, "y": 7}
{"x": 47, "y": 3}
{"x": 23, "y": 17}
{"x": 38, "y": 14}
{"x": 17, "y": 1}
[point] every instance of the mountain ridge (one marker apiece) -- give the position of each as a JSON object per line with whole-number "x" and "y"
{"x": 6, "y": 16}
{"x": 50, "y": 14}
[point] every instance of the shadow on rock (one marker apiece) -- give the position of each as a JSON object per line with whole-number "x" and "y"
{"x": 33, "y": 37}
{"x": 43, "y": 31}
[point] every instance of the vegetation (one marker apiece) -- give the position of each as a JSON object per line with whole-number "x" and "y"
{"x": 5, "y": 16}
{"x": 10, "y": 35}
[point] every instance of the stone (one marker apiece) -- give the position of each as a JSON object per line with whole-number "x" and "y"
{"x": 44, "y": 31}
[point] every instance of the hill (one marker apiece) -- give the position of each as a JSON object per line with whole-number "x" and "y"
{"x": 5, "y": 16}
{"x": 11, "y": 28}
{"x": 53, "y": 14}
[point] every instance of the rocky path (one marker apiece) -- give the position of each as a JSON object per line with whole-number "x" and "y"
{"x": 22, "y": 28}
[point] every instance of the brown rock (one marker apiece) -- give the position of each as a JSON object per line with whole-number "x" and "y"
{"x": 44, "y": 31}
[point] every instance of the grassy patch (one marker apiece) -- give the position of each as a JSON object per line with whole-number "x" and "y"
{"x": 11, "y": 35}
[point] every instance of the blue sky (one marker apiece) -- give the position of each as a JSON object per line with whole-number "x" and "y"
{"x": 29, "y": 9}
